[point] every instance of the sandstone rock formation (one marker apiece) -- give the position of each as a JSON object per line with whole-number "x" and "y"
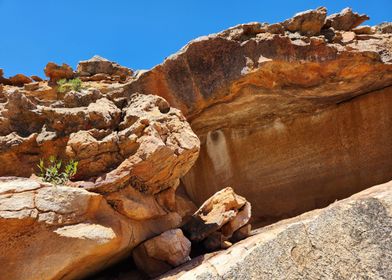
{"x": 99, "y": 68}
{"x": 218, "y": 219}
{"x": 293, "y": 115}
{"x": 350, "y": 239}
{"x": 56, "y": 232}
{"x": 163, "y": 252}
{"x": 308, "y": 22}
{"x": 345, "y": 20}
{"x": 132, "y": 150}
{"x": 291, "y": 121}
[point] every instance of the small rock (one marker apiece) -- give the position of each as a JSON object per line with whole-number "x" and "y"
{"x": 345, "y": 20}
{"x": 348, "y": 37}
{"x": 36, "y": 78}
{"x": 385, "y": 27}
{"x": 364, "y": 29}
{"x": 31, "y": 86}
{"x": 307, "y": 23}
{"x": 163, "y": 252}
{"x": 19, "y": 80}
{"x": 56, "y": 72}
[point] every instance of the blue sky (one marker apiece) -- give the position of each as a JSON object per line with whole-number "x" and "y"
{"x": 138, "y": 34}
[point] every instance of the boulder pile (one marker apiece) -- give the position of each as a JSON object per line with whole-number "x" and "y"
{"x": 222, "y": 220}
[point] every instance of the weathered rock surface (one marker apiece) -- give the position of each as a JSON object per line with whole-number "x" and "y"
{"x": 215, "y": 222}
{"x": 132, "y": 150}
{"x": 57, "y": 232}
{"x": 163, "y": 252}
{"x": 98, "y": 66}
{"x": 308, "y": 22}
{"x": 19, "y": 80}
{"x": 292, "y": 122}
{"x": 350, "y": 239}
{"x": 345, "y": 20}
{"x": 61, "y": 232}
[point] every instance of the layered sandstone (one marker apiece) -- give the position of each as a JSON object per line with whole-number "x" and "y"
{"x": 131, "y": 151}
{"x": 293, "y": 115}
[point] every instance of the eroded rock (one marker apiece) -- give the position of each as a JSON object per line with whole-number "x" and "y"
{"x": 61, "y": 227}
{"x": 72, "y": 231}
{"x": 163, "y": 252}
{"x": 308, "y": 22}
{"x": 97, "y": 67}
{"x": 345, "y": 20}
{"x": 287, "y": 102}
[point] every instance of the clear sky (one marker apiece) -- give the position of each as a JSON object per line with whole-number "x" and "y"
{"x": 138, "y": 34}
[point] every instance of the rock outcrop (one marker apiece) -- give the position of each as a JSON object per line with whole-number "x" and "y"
{"x": 350, "y": 239}
{"x": 291, "y": 121}
{"x": 131, "y": 149}
{"x": 345, "y": 20}
{"x": 99, "y": 68}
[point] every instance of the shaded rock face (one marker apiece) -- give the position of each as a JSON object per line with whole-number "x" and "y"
{"x": 163, "y": 252}
{"x": 350, "y": 239}
{"x": 292, "y": 121}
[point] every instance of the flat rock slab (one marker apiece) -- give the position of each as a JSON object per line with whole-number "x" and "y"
{"x": 350, "y": 239}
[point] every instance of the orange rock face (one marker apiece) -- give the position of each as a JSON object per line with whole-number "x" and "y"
{"x": 291, "y": 121}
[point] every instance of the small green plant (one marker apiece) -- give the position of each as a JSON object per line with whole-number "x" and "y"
{"x": 65, "y": 85}
{"x": 53, "y": 173}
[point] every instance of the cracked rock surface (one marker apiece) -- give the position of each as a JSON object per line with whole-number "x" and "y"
{"x": 350, "y": 239}
{"x": 132, "y": 149}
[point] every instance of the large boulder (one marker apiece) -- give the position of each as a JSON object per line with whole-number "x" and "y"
{"x": 345, "y": 20}
{"x": 292, "y": 122}
{"x": 308, "y": 22}
{"x": 57, "y": 232}
{"x": 70, "y": 232}
{"x": 350, "y": 239}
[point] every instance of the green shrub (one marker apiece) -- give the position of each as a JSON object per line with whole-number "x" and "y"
{"x": 53, "y": 173}
{"x": 65, "y": 85}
